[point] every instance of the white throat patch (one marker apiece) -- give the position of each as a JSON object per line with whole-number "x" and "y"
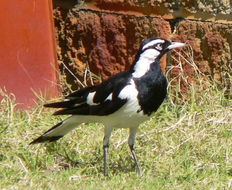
{"x": 144, "y": 62}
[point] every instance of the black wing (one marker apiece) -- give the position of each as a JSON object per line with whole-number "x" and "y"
{"x": 104, "y": 99}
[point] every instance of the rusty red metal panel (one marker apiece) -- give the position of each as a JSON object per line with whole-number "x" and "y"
{"x": 27, "y": 50}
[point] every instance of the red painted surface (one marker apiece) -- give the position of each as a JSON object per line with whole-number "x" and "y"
{"x": 27, "y": 50}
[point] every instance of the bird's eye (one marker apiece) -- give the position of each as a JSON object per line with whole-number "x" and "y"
{"x": 158, "y": 46}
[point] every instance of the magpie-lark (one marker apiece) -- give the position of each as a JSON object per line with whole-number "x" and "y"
{"x": 123, "y": 101}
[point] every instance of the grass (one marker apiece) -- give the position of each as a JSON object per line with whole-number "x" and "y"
{"x": 184, "y": 146}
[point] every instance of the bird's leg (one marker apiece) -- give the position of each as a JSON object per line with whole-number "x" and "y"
{"x": 135, "y": 159}
{"x": 131, "y": 141}
{"x": 106, "y": 148}
{"x": 106, "y": 158}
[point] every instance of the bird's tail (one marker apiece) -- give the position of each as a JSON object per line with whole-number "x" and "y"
{"x": 58, "y": 131}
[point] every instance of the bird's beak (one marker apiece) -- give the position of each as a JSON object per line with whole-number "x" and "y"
{"x": 176, "y": 45}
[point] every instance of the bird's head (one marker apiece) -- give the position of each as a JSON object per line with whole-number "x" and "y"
{"x": 155, "y": 48}
{"x": 150, "y": 51}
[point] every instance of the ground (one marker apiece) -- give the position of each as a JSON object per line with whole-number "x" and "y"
{"x": 186, "y": 145}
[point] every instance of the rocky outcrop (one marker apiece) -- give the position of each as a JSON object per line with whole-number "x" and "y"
{"x": 105, "y": 35}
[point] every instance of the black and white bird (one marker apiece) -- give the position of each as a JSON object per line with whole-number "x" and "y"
{"x": 123, "y": 101}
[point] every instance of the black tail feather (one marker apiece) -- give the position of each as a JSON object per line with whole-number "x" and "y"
{"x": 83, "y": 109}
{"x": 68, "y": 111}
{"x": 44, "y": 139}
{"x": 66, "y": 104}
{"x": 81, "y": 93}
{"x": 57, "y": 104}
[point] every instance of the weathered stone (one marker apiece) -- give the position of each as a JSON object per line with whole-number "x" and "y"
{"x": 211, "y": 43}
{"x": 181, "y": 8}
{"x": 107, "y": 34}
{"x": 108, "y": 41}
{"x": 212, "y": 48}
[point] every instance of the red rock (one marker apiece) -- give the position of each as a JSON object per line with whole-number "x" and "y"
{"x": 211, "y": 45}
{"x": 110, "y": 41}
{"x": 107, "y": 34}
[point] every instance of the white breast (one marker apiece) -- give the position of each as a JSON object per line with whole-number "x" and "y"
{"x": 129, "y": 115}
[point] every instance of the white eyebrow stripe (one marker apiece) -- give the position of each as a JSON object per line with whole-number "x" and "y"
{"x": 153, "y": 43}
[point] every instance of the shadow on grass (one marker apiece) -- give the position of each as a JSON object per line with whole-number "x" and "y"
{"x": 69, "y": 158}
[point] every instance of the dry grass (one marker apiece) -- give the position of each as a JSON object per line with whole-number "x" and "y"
{"x": 186, "y": 145}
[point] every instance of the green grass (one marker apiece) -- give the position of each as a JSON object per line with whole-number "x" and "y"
{"x": 186, "y": 145}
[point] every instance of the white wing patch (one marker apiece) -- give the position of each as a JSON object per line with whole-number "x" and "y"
{"x": 129, "y": 91}
{"x": 109, "y": 97}
{"x": 132, "y": 106}
{"x": 90, "y": 99}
